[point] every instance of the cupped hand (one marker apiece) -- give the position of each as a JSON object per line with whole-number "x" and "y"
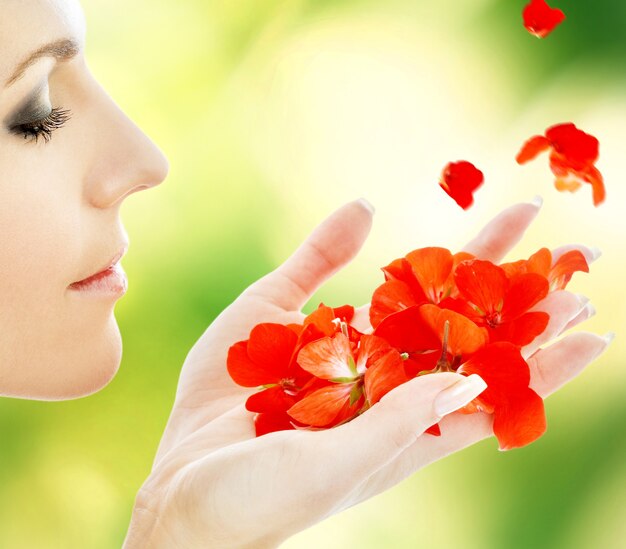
{"x": 215, "y": 484}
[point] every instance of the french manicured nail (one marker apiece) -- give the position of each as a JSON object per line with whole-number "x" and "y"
{"x": 367, "y": 204}
{"x": 458, "y": 395}
{"x": 608, "y": 337}
{"x": 582, "y": 299}
{"x": 587, "y": 311}
{"x": 596, "y": 252}
{"x": 537, "y": 201}
{"x": 590, "y": 310}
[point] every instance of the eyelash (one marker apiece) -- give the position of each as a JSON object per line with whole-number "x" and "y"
{"x": 44, "y": 127}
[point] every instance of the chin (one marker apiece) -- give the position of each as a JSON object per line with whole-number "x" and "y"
{"x": 71, "y": 369}
{"x": 93, "y": 366}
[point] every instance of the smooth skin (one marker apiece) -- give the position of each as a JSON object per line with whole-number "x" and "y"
{"x": 215, "y": 484}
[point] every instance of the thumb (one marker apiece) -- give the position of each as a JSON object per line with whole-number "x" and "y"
{"x": 328, "y": 248}
{"x": 379, "y": 435}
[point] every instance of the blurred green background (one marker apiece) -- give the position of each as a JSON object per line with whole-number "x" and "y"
{"x": 272, "y": 114}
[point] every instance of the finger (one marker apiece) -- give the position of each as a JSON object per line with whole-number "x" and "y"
{"x": 505, "y": 230}
{"x": 328, "y": 248}
{"x": 562, "y": 306}
{"x": 550, "y": 368}
{"x": 361, "y": 319}
{"x": 371, "y": 440}
{"x": 586, "y": 313}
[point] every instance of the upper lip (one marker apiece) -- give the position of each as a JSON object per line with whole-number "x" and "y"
{"x": 120, "y": 253}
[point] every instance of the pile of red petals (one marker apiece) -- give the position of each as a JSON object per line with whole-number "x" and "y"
{"x": 435, "y": 312}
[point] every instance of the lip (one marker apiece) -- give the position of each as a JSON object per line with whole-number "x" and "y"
{"x": 106, "y": 267}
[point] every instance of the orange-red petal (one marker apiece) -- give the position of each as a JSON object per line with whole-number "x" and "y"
{"x": 562, "y": 271}
{"x": 481, "y": 283}
{"x": 269, "y": 422}
{"x": 524, "y": 291}
{"x": 321, "y": 407}
{"x": 270, "y": 347}
{"x": 432, "y": 267}
{"x": 520, "y": 421}
{"x": 390, "y": 297}
{"x": 407, "y": 332}
{"x": 531, "y": 148}
{"x": 522, "y": 330}
{"x": 274, "y": 399}
{"x": 384, "y": 374}
{"x": 327, "y": 358}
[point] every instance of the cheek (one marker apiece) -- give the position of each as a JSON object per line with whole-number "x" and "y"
{"x": 52, "y": 346}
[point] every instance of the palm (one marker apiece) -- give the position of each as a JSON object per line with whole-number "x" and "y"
{"x": 209, "y": 412}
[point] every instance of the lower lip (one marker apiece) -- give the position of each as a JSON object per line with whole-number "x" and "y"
{"x": 110, "y": 283}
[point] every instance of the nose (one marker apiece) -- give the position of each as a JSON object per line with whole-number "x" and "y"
{"x": 123, "y": 159}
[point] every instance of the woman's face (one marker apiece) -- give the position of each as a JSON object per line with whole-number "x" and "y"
{"x": 60, "y": 198}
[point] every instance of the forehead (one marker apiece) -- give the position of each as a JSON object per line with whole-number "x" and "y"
{"x": 27, "y": 24}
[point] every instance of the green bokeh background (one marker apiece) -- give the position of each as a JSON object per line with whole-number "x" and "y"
{"x": 273, "y": 113}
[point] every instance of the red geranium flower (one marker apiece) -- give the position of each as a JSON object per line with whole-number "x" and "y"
{"x": 358, "y": 376}
{"x": 572, "y": 158}
{"x": 460, "y": 180}
{"x": 422, "y": 276}
{"x": 540, "y": 19}
{"x": 519, "y": 414}
{"x": 268, "y": 359}
{"x": 500, "y": 303}
{"x": 431, "y": 340}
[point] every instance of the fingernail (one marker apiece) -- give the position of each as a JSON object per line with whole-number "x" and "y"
{"x": 591, "y": 310}
{"x": 595, "y": 253}
{"x": 608, "y": 337}
{"x": 458, "y": 395}
{"x": 537, "y": 201}
{"x": 583, "y": 300}
{"x": 367, "y": 204}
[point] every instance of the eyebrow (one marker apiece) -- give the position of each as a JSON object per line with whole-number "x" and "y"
{"x": 62, "y": 50}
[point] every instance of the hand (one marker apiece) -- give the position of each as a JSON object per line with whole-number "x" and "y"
{"x": 214, "y": 484}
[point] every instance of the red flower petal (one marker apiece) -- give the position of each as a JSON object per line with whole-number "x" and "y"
{"x": 383, "y": 375}
{"x": 345, "y": 312}
{"x": 464, "y": 336}
{"x": 273, "y": 399}
{"x": 407, "y": 332}
{"x": 459, "y": 180}
{"x": 504, "y": 370}
{"x": 322, "y": 406}
{"x": 431, "y": 267}
{"x": 390, "y": 297}
{"x": 562, "y": 271}
{"x": 243, "y": 371}
{"x": 398, "y": 269}
{"x": 593, "y": 176}
{"x": 270, "y": 347}
{"x": 268, "y": 423}
{"x": 434, "y": 430}
{"x": 525, "y": 290}
{"x": 520, "y": 421}
{"x": 534, "y": 146}
{"x": 580, "y": 149}
{"x": 540, "y": 19}
{"x": 327, "y": 358}
{"x": 522, "y": 330}
{"x": 481, "y": 283}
